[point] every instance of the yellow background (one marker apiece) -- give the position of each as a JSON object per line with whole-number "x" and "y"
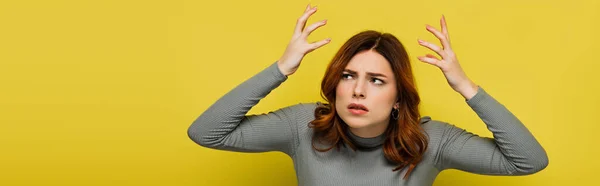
{"x": 102, "y": 92}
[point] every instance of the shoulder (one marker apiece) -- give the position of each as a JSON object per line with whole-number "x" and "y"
{"x": 436, "y": 131}
{"x": 302, "y": 111}
{"x": 434, "y": 128}
{"x": 303, "y": 107}
{"x": 302, "y": 114}
{"x": 309, "y": 107}
{"x": 440, "y": 131}
{"x": 425, "y": 119}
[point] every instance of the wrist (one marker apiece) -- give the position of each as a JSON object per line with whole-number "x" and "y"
{"x": 281, "y": 69}
{"x": 468, "y": 89}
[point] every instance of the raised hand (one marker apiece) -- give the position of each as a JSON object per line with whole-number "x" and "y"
{"x": 299, "y": 46}
{"x": 449, "y": 65}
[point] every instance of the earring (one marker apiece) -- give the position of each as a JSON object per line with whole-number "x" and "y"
{"x": 396, "y": 116}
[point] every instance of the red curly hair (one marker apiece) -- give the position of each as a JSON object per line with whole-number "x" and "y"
{"x": 405, "y": 141}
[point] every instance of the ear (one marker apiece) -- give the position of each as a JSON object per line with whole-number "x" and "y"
{"x": 397, "y": 105}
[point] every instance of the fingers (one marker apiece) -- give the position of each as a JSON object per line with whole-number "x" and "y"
{"x": 433, "y": 47}
{"x": 439, "y": 35}
{"x": 429, "y": 59}
{"x": 304, "y": 33}
{"x": 444, "y": 38}
{"x": 319, "y": 44}
{"x": 302, "y": 20}
{"x": 431, "y": 56}
{"x": 312, "y": 28}
{"x": 444, "y": 27}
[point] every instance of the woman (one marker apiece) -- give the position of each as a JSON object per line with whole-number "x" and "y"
{"x": 372, "y": 118}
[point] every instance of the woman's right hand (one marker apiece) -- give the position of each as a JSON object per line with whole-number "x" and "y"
{"x": 299, "y": 46}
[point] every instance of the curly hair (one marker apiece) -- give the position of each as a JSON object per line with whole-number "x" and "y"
{"x": 405, "y": 141}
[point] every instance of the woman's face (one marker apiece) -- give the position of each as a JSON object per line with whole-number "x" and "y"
{"x": 367, "y": 80}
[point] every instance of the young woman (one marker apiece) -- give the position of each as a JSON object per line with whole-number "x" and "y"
{"x": 370, "y": 132}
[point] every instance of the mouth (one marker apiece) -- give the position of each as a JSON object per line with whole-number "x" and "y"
{"x": 357, "y": 109}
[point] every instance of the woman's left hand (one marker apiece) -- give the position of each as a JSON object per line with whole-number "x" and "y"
{"x": 449, "y": 65}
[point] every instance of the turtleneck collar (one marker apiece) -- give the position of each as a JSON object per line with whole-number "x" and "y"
{"x": 374, "y": 142}
{"x": 366, "y": 143}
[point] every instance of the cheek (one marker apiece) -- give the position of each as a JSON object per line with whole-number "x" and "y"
{"x": 341, "y": 90}
{"x": 389, "y": 94}
{"x": 341, "y": 94}
{"x": 385, "y": 96}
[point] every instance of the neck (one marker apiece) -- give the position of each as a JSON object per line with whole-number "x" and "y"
{"x": 370, "y": 131}
{"x": 366, "y": 143}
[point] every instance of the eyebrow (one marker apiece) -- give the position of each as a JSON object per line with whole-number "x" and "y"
{"x": 368, "y": 73}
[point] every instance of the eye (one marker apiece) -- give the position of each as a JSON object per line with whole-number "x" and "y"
{"x": 380, "y": 81}
{"x": 346, "y": 76}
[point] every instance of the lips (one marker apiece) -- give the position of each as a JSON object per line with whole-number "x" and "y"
{"x": 357, "y": 107}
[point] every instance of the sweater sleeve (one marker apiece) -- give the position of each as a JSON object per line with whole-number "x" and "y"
{"x": 225, "y": 125}
{"x": 512, "y": 151}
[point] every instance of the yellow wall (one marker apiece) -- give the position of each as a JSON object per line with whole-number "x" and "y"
{"x": 102, "y": 92}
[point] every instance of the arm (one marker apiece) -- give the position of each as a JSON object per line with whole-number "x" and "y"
{"x": 512, "y": 151}
{"x": 225, "y": 125}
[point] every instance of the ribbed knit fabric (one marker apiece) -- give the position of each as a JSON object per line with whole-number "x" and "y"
{"x": 225, "y": 126}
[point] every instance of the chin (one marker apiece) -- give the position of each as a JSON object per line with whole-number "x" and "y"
{"x": 355, "y": 122}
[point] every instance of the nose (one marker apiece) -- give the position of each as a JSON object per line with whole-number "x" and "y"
{"x": 359, "y": 89}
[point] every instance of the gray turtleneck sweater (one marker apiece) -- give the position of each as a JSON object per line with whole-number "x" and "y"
{"x": 225, "y": 126}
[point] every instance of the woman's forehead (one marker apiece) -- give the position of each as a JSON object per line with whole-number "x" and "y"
{"x": 369, "y": 61}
